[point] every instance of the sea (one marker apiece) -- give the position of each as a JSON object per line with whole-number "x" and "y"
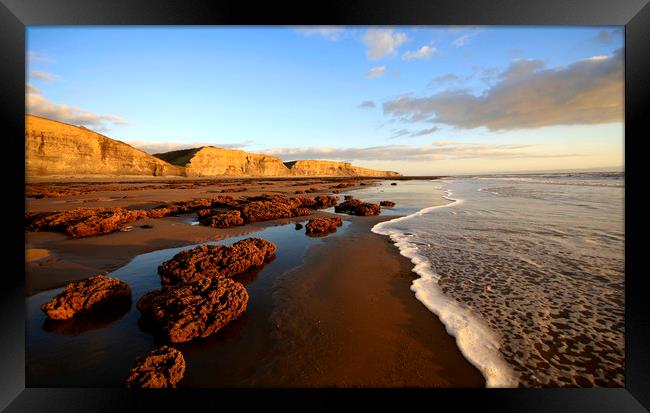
{"x": 526, "y": 271}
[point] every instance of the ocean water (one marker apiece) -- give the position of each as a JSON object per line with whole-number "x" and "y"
{"x": 527, "y": 272}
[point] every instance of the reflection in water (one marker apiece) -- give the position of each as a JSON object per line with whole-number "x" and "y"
{"x": 85, "y": 322}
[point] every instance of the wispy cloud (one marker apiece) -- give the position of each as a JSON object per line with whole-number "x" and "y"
{"x": 460, "y": 41}
{"x": 608, "y": 36}
{"x": 401, "y": 133}
{"x": 42, "y": 75}
{"x": 367, "y": 104}
{"x": 449, "y": 77}
{"x": 436, "y": 151}
{"x": 424, "y": 53}
{"x": 38, "y": 105}
{"x": 333, "y": 33}
{"x": 160, "y": 147}
{"x": 35, "y": 57}
{"x": 525, "y": 96}
{"x": 31, "y": 89}
{"x": 383, "y": 42}
{"x": 376, "y": 71}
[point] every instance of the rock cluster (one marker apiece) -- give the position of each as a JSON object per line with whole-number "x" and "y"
{"x": 224, "y": 219}
{"x": 357, "y": 207}
{"x": 389, "y": 204}
{"x": 189, "y": 310}
{"x": 322, "y": 226}
{"x": 160, "y": 368}
{"x": 206, "y": 261}
{"x": 86, "y": 295}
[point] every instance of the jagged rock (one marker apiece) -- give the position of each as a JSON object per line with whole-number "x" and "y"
{"x": 348, "y": 197}
{"x": 226, "y": 219}
{"x": 216, "y": 261}
{"x": 298, "y": 226}
{"x": 84, "y": 222}
{"x": 387, "y": 203}
{"x": 322, "y": 225}
{"x": 86, "y": 295}
{"x": 319, "y": 201}
{"x": 357, "y": 207}
{"x": 301, "y": 212}
{"x": 189, "y": 310}
{"x": 160, "y": 368}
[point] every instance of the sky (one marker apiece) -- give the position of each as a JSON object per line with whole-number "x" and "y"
{"x": 420, "y": 100}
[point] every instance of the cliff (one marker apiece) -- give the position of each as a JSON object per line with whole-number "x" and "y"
{"x": 211, "y": 161}
{"x": 55, "y": 148}
{"x": 331, "y": 168}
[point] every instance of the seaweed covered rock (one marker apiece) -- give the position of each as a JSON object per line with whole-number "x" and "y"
{"x": 322, "y": 226}
{"x": 357, "y": 207}
{"x": 225, "y": 219}
{"x": 84, "y": 222}
{"x": 90, "y": 294}
{"x": 160, "y": 368}
{"x": 216, "y": 261}
{"x": 190, "y": 310}
{"x": 389, "y": 204}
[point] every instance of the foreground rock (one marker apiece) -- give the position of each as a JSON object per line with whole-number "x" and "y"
{"x": 225, "y": 219}
{"x": 87, "y": 295}
{"x": 216, "y": 261}
{"x": 322, "y": 226}
{"x": 160, "y": 368}
{"x": 186, "y": 311}
{"x": 389, "y": 204}
{"x": 357, "y": 207}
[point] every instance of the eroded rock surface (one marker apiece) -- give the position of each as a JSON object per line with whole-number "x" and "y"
{"x": 216, "y": 261}
{"x": 225, "y": 219}
{"x": 357, "y": 207}
{"x": 160, "y": 368}
{"x": 322, "y": 226}
{"x": 190, "y": 310}
{"x": 86, "y": 295}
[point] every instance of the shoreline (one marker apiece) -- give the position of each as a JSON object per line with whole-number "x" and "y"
{"x": 332, "y": 311}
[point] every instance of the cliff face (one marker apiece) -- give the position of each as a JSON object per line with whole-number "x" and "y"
{"x": 211, "y": 161}
{"x": 331, "y": 168}
{"x": 55, "y": 148}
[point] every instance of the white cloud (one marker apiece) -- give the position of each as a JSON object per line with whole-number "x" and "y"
{"x": 526, "y": 96}
{"x": 424, "y": 52}
{"x": 328, "y": 32}
{"x": 376, "y": 71}
{"x": 31, "y": 89}
{"x": 42, "y": 75}
{"x": 436, "y": 151}
{"x": 38, "y": 105}
{"x": 383, "y": 42}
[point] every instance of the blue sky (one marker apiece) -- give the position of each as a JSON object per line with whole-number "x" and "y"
{"x": 419, "y": 100}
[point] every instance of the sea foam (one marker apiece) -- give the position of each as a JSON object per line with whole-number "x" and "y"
{"x": 478, "y": 344}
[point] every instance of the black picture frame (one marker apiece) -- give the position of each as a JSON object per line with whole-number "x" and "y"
{"x": 634, "y": 14}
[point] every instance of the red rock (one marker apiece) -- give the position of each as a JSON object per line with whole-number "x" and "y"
{"x": 160, "y": 368}
{"x": 104, "y": 221}
{"x": 301, "y": 212}
{"x": 387, "y": 203}
{"x": 323, "y": 225}
{"x": 226, "y": 219}
{"x": 86, "y": 295}
{"x": 348, "y": 197}
{"x": 357, "y": 207}
{"x": 319, "y": 202}
{"x": 189, "y": 310}
{"x": 216, "y": 261}
{"x": 299, "y": 192}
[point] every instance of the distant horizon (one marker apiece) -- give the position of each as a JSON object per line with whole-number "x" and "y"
{"x": 418, "y": 100}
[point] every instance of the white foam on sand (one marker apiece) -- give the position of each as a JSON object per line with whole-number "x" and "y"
{"x": 478, "y": 344}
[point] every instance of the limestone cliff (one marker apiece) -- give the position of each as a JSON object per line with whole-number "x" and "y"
{"x": 211, "y": 161}
{"x": 331, "y": 168}
{"x": 55, "y": 148}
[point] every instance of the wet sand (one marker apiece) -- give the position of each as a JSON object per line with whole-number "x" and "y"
{"x": 333, "y": 311}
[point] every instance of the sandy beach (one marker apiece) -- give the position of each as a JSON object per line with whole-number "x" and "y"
{"x": 331, "y": 311}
